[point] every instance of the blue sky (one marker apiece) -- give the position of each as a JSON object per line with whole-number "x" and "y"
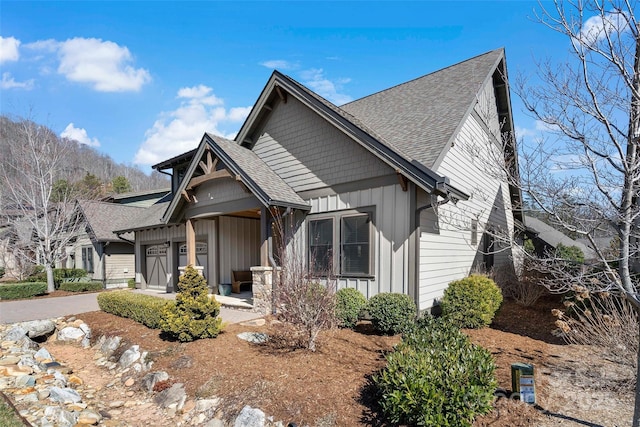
{"x": 142, "y": 81}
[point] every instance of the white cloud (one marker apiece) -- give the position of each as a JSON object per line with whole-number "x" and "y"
{"x": 103, "y": 64}
{"x": 181, "y": 130}
{"x": 8, "y": 82}
{"x": 80, "y": 135}
{"x": 9, "y": 49}
{"x": 279, "y": 64}
{"x": 315, "y": 79}
{"x": 597, "y": 27}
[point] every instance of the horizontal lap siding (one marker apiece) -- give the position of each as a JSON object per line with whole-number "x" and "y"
{"x": 309, "y": 153}
{"x": 390, "y": 241}
{"x": 446, "y": 252}
{"x": 219, "y": 190}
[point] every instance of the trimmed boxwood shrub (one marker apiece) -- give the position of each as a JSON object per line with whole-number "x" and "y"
{"x": 145, "y": 309}
{"x": 471, "y": 302}
{"x": 391, "y": 313}
{"x": 349, "y": 304}
{"x": 22, "y": 290}
{"x": 131, "y": 283}
{"x": 436, "y": 377}
{"x": 194, "y": 315}
{"x": 81, "y": 286}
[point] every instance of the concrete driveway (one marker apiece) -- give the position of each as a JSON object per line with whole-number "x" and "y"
{"x": 47, "y": 308}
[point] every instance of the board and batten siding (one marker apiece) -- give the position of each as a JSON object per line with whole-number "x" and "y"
{"x": 446, "y": 252}
{"x": 390, "y": 237}
{"x": 239, "y": 245}
{"x": 309, "y": 153}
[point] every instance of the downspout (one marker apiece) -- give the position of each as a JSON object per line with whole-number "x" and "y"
{"x": 433, "y": 202}
{"x": 104, "y": 264}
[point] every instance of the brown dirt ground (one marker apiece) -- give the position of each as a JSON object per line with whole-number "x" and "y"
{"x": 330, "y": 386}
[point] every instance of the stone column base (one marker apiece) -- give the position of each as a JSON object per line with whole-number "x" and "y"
{"x": 262, "y": 289}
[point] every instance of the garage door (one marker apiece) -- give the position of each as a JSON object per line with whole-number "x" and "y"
{"x": 157, "y": 267}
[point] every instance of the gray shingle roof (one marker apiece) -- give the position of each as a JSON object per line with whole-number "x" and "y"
{"x": 554, "y": 237}
{"x": 105, "y": 218}
{"x": 145, "y": 218}
{"x": 420, "y": 117}
{"x": 276, "y": 191}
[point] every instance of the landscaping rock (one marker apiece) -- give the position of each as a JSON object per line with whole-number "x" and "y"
{"x": 43, "y": 355}
{"x": 109, "y": 345}
{"x": 64, "y": 395}
{"x": 14, "y": 334}
{"x": 250, "y": 417}
{"x": 129, "y": 356}
{"x": 254, "y": 337}
{"x": 39, "y": 328}
{"x": 90, "y": 417}
{"x": 70, "y": 333}
{"x": 150, "y": 380}
{"x": 182, "y": 362}
{"x": 173, "y": 395}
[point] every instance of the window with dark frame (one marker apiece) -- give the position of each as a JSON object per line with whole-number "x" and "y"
{"x": 341, "y": 244}
{"x": 354, "y": 241}
{"x": 87, "y": 259}
{"x": 321, "y": 245}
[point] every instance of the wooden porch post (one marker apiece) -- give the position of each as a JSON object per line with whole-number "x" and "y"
{"x": 191, "y": 242}
{"x": 264, "y": 237}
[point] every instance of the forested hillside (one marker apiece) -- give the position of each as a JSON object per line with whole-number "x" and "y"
{"x": 82, "y": 165}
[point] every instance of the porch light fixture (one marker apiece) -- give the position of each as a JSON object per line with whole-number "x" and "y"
{"x": 166, "y": 244}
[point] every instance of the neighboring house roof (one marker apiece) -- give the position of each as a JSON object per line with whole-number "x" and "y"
{"x": 421, "y": 117}
{"x": 124, "y": 198}
{"x": 103, "y": 219}
{"x": 554, "y": 237}
{"x": 145, "y": 218}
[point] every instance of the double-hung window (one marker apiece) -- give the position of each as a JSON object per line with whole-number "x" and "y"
{"x": 321, "y": 246}
{"x": 340, "y": 243}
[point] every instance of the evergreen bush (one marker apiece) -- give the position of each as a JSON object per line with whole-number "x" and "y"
{"x": 436, "y": 377}
{"x": 81, "y": 286}
{"x": 471, "y": 302}
{"x": 195, "y": 315}
{"x": 22, "y": 290}
{"x": 145, "y": 309}
{"x": 391, "y": 313}
{"x": 349, "y": 304}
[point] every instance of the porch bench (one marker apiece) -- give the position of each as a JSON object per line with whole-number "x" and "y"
{"x": 240, "y": 278}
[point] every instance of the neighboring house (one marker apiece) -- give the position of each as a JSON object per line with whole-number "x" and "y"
{"x": 546, "y": 239}
{"x": 105, "y": 255}
{"x": 396, "y": 192}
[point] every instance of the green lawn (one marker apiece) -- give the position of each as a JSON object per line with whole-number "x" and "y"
{"x": 8, "y": 417}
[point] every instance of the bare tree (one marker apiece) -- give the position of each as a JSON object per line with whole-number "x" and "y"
{"x": 584, "y": 173}
{"x": 28, "y": 183}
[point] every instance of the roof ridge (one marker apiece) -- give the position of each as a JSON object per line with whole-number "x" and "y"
{"x": 423, "y": 76}
{"x": 83, "y": 201}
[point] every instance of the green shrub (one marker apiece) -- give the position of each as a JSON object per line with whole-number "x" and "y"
{"x": 81, "y": 286}
{"x": 570, "y": 253}
{"x": 131, "y": 283}
{"x": 471, "y": 302}
{"x": 38, "y": 274}
{"x": 349, "y": 304}
{"x": 22, "y": 290}
{"x": 391, "y": 313}
{"x": 61, "y": 275}
{"x": 145, "y": 309}
{"x": 194, "y": 315}
{"x": 436, "y": 377}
